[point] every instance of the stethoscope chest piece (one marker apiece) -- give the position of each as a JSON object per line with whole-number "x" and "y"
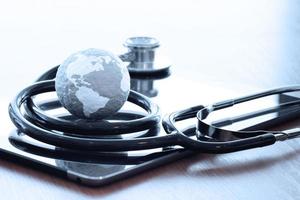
{"x": 143, "y": 59}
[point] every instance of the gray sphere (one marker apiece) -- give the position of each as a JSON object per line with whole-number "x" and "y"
{"x": 92, "y": 84}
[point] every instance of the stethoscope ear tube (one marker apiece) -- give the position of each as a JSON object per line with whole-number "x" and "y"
{"x": 248, "y": 139}
{"x": 206, "y": 146}
{"x": 244, "y": 144}
{"x": 207, "y": 134}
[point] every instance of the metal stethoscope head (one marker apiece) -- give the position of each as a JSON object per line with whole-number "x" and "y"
{"x": 142, "y": 58}
{"x": 145, "y": 64}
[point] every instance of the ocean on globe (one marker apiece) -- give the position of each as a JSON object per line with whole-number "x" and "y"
{"x": 92, "y": 84}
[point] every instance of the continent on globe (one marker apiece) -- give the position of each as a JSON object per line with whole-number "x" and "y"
{"x": 92, "y": 84}
{"x": 97, "y": 101}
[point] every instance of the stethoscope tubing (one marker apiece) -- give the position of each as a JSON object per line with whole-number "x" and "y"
{"x": 103, "y": 127}
{"x": 212, "y": 146}
{"x": 67, "y": 141}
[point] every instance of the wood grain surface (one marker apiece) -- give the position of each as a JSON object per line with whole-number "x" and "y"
{"x": 237, "y": 46}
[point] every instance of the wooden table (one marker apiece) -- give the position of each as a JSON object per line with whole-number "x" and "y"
{"x": 238, "y": 46}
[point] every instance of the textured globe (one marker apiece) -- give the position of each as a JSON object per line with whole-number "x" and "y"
{"x": 92, "y": 84}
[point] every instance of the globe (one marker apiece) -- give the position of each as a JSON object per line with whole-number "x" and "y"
{"x": 92, "y": 84}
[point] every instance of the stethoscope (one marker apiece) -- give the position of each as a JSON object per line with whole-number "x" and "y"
{"x": 65, "y": 132}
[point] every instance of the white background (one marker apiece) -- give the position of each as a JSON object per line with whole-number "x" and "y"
{"x": 206, "y": 37}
